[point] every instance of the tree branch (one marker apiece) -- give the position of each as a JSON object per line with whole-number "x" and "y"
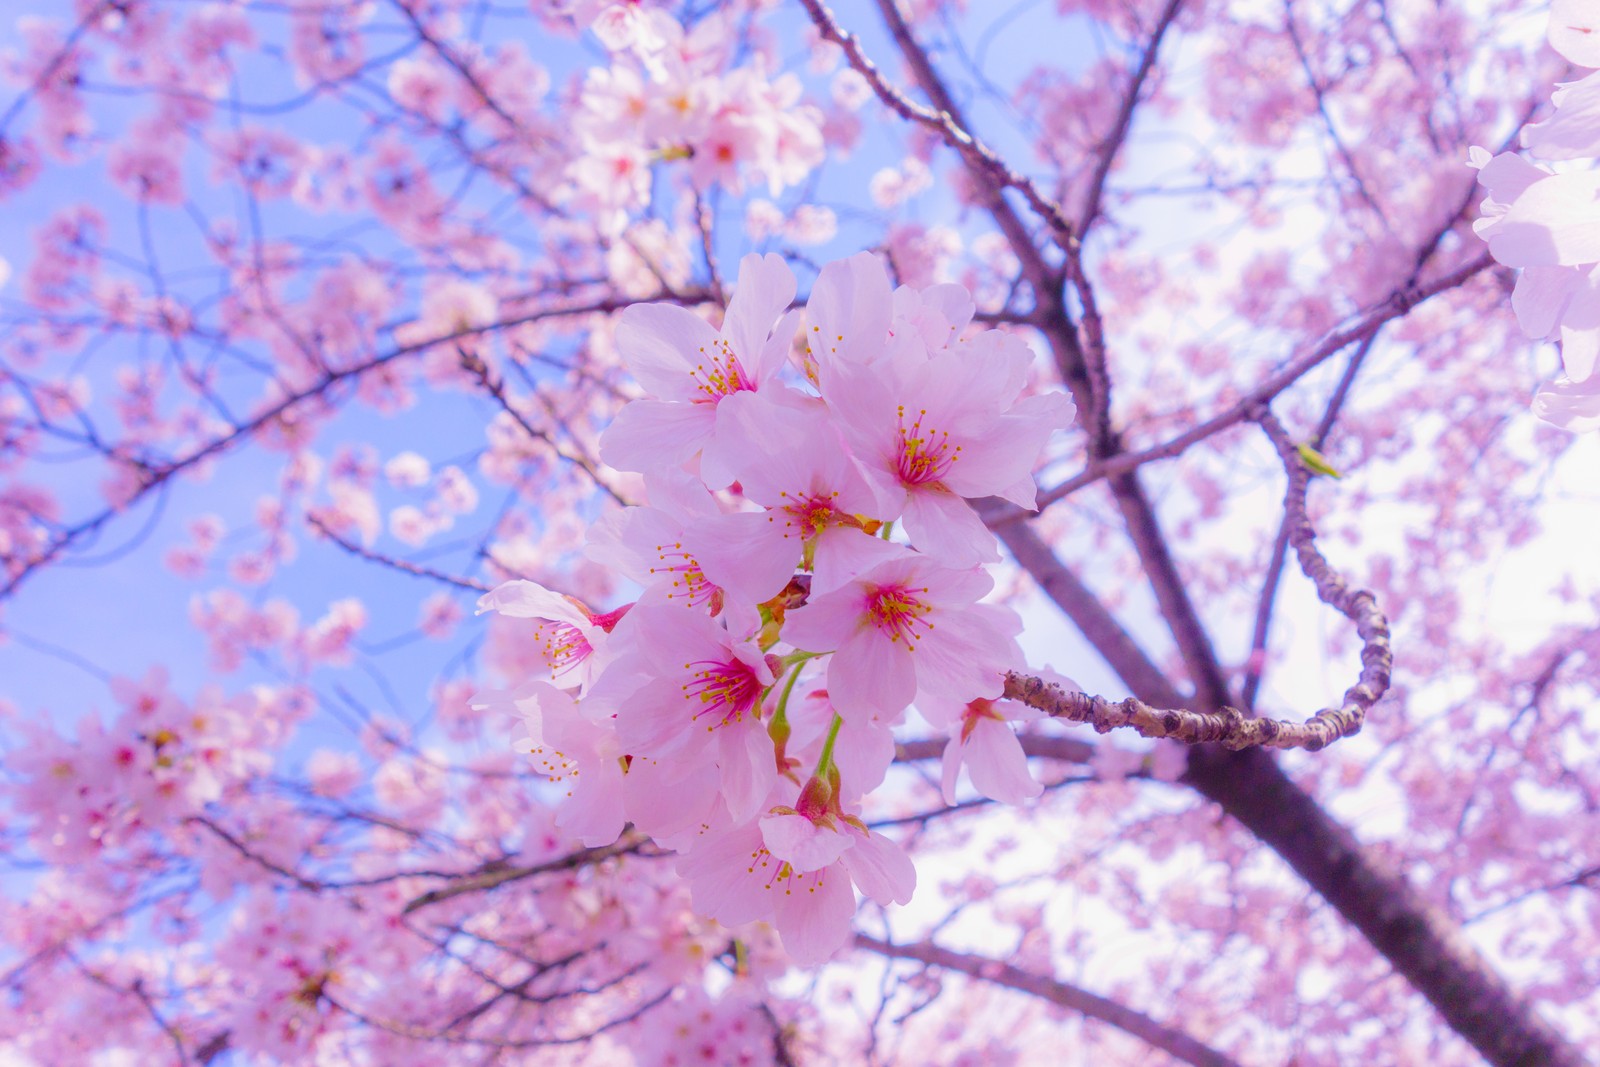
{"x": 1174, "y": 1043}
{"x": 629, "y": 842}
{"x": 1119, "y": 132}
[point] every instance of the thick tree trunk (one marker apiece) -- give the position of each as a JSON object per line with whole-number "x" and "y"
{"x": 1417, "y": 940}
{"x": 1414, "y": 936}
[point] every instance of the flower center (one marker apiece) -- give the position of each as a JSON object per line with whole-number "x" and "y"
{"x": 896, "y": 611}
{"x": 690, "y": 583}
{"x": 926, "y": 454}
{"x": 725, "y": 690}
{"x": 813, "y": 513}
{"x": 552, "y": 763}
{"x": 719, "y": 373}
{"x": 783, "y": 876}
{"x": 564, "y": 646}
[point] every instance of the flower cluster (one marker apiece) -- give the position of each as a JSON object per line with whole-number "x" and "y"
{"x": 810, "y": 570}
{"x": 1548, "y": 223}
{"x": 674, "y": 95}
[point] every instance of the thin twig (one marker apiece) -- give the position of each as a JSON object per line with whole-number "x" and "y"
{"x": 1397, "y": 305}
{"x": 1107, "y": 150}
{"x": 474, "y": 365}
{"x": 402, "y": 565}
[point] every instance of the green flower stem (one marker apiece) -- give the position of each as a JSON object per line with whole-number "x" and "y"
{"x": 825, "y": 761}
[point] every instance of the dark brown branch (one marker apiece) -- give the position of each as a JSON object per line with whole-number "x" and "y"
{"x": 1174, "y": 1043}
{"x": 1079, "y": 350}
{"x": 1421, "y": 943}
{"x": 1037, "y": 746}
{"x": 1256, "y": 664}
{"x": 945, "y": 119}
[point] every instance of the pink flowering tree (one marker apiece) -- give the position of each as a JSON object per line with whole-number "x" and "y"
{"x": 768, "y": 533}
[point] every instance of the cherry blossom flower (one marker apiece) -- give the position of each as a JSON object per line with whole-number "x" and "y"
{"x": 818, "y": 507}
{"x": 695, "y": 703}
{"x": 986, "y": 746}
{"x": 736, "y": 879}
{"x": 1557, "y": 295}
{"x": 693, "y": 372}
{"x": 905, "y": 626}
{"x": 572, "y": 634}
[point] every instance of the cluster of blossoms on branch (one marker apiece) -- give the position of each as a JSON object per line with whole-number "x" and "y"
{"x": 672, "y": 94}
{"x": 811, "y": 569}
{"x": 1548, "y": 224}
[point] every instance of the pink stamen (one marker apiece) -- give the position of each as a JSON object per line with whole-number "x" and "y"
{"x": 720, "y": 374}
{"x": 896, "y": 611}
{"x": 564, "y": 646}
{"x": 725, "y": 690}
{"x": 691, "y": 583}
{"x": 926, "y": 454}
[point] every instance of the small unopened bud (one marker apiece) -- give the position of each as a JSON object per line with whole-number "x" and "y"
{"x": 815, "y": 798}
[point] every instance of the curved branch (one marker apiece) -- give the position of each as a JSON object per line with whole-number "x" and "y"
{"x": 1174, "y": 1043}
{"x": 1228, "y": 726}
{"x": 404, "y": 566}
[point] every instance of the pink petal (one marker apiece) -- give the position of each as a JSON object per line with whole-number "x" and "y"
{"x": 660, "y": 344}
{"x": 1574, "y": 131}
{"x": 673, "y": 809}
{"x": 943, "y": 526}
{"x": 721, "y": 879}
{"x": 750, "y": 554}
{"x": 762, "y": 294}
{"x": 844, "y": 552}
{"x": 529, "y": 600}
{"x": 950, "y": 767}
{"x": 748, "y": 766}
{"x": 649, "y": 434}
{"x": 801, "y": 843}
{"x": 881, "y": 869}
{"x": 1554, "y": 221}
{"x": 593, "y": 811}
{"x": 869, "y": 674}
{"x": 1540, "y": 297}
{"x": 998, "y": 768}
{"x": 813, "y": 914}
{"x": 825, "y": 621}
{"x": 848, "y": 313}
{"x": 1575, "y": 31}
{"x": 1571, "y": 405}
{"x": 1507, "y": 176}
